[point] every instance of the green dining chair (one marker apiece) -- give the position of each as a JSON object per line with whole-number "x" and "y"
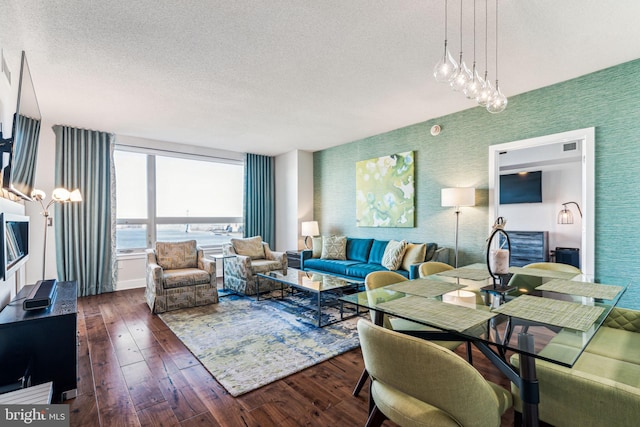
{"x": 378, "y": 279}
{"x": 432, "y": 267}
{"x": 526, "y": 285}
{"x": 418, "y": 383}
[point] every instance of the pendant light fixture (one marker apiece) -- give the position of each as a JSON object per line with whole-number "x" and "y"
{"x": 469, "y": 82}
{"x": 487, "y": 90}
{"x": 446, "y": 67}
{"x": 497, "y": 102}
{"x": 463, "y": 75}
{"x": 476, "y": 84}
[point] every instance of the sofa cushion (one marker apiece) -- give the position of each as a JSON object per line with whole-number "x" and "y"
{"x": 329, "y": 265}
{"x": 414, "y": 254}
{"x": 377, "y": 251}
{"x": 251, "y": 247}
{"x": 393, "y": 254}
{"x": 358, "y": 249}
{"x": 334, "y": 247}
{"x": 316, "y": 247}
{"x": 362, "y": 269}
{"x": 616, "y": 344}
{"x": 175, "y": 255}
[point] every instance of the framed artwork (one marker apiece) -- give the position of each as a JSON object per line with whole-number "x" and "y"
{"x": 385, "y": 191}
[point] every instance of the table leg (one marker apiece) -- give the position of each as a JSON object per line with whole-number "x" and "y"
{"x": 529, "y": 390}
{"x": 319, "y": 309}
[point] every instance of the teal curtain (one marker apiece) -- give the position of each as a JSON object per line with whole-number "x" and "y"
{"x": 85, "y": 246}
{"x": 26, "y": 149}
{"x": 260, "y": 197}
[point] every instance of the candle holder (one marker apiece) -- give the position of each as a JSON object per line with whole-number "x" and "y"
{"x": 499, "y": 268}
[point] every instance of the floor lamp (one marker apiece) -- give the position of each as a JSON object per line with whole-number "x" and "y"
{"x": 59, "y": 195}
{"x": 457, "y": 197}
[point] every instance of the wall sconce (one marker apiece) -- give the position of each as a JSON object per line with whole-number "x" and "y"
{"x": 59, "y": 195}
{"x": 309, "y": 229}
{"x": 565, "y": 216}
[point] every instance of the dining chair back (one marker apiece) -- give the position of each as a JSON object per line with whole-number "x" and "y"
{"x": 418, "y": 383}
{"x": 432, "y": 267}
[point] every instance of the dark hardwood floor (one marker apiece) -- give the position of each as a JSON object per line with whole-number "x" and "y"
{"x": 132, "y": 370}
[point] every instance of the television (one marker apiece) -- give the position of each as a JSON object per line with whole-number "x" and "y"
{"x": 523, "y": 187}
{"x": 14, "y": 235}
{"x": 19, "y": 151}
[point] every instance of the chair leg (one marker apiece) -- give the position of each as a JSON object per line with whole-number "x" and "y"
{"x": 363, "y": 379}
{"x": 469, "y": 353}
{"x": 376, "y": 418}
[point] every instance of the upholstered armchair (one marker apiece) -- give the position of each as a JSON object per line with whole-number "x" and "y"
{"x": 244, "y": 259}
{"x": 179, "y": 276}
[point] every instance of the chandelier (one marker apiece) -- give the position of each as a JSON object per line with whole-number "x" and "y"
{"x": 469, "y": 82}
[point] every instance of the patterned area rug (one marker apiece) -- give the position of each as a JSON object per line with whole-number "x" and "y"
{"x": 246, "y": 344}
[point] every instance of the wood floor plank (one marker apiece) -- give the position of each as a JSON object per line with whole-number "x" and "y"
{"x": 164, "y": 384}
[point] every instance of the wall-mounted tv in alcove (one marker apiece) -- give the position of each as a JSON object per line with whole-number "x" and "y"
{"x": 523, "y": 187}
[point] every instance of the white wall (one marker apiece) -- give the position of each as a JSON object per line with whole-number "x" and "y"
{"x": 294, "y": 197}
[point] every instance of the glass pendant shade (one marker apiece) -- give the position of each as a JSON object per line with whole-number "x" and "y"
{"x": 446, "y": 68}
{"x": 461, "y": 78}
{"x": 565, "y": 216}
{"x": 498, "y": 102}
{"x": 485, "y": 93}
{"x": 474, "y": 86}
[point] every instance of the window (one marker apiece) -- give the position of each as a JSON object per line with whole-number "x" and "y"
{"x": 161, "y": 197}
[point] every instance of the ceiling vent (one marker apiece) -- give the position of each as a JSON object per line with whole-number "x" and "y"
{"x": 569, "y": 146}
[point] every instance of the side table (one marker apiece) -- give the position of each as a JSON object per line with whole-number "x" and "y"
{"x": 221, "y": 258}
{"x": 293, "y": 258}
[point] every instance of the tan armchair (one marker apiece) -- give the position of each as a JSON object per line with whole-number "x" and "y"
{"x": 179, "y": 276}
{"x": 418, "y": 383}
{"x": 245, "y": 259}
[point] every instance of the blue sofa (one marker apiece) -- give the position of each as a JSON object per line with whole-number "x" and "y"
{"x": 363, "y": 257}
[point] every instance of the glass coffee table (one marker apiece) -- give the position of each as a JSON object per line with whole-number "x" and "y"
{"x": 327, "y": 288}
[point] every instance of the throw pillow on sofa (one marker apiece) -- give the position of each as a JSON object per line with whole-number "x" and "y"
{"x": 414, "y": 254}
{"x": 316, "y": 247}
{"x": 393, "y": 254}
{"x": 334, "y": 247}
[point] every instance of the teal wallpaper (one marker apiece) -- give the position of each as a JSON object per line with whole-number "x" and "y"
{"x": 459, "y": 157}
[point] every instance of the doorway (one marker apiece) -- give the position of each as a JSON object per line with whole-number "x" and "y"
{"x": 567, "y": 163}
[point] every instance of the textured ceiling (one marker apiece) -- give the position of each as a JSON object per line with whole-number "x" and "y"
{"x": 270, "y": 77}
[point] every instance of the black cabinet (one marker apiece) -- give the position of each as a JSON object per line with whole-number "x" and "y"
{"x": 45, "y": 340}
{"x": 528, "y": 247}
{"x": 293, "y": 259}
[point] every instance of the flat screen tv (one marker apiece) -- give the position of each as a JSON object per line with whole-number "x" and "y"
{"x": 19, "y": 152}
{"x": 523, "y": 187}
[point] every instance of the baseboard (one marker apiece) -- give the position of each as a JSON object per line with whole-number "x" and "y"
{"x": 123, "y": 285}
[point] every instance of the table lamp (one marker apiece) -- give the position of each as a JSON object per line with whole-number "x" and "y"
{"x": 309, "y": 229}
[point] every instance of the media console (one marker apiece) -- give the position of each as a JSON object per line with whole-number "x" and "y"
{"x": 43, "y": 340}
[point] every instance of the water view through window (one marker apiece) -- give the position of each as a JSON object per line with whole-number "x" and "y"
{"x": 193, "y": 199}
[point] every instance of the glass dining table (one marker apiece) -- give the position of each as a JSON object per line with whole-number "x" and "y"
{"x": 543, "y": 307}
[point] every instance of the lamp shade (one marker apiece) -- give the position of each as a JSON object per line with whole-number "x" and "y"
{"x": 458, "y": 196}
{"x": 310, "y": 228}
{"x": 565, "y": 216}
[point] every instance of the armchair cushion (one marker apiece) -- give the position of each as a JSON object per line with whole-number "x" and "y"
{"x": 175, "y": 255}
{"x": 185, "y": 277}
{"x": 251, "y": 247}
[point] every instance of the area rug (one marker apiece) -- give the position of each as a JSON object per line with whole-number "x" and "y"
{"x": 246, "y": 344}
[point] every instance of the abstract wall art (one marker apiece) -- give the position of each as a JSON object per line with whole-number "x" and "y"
{"x": 385, "y": 191}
